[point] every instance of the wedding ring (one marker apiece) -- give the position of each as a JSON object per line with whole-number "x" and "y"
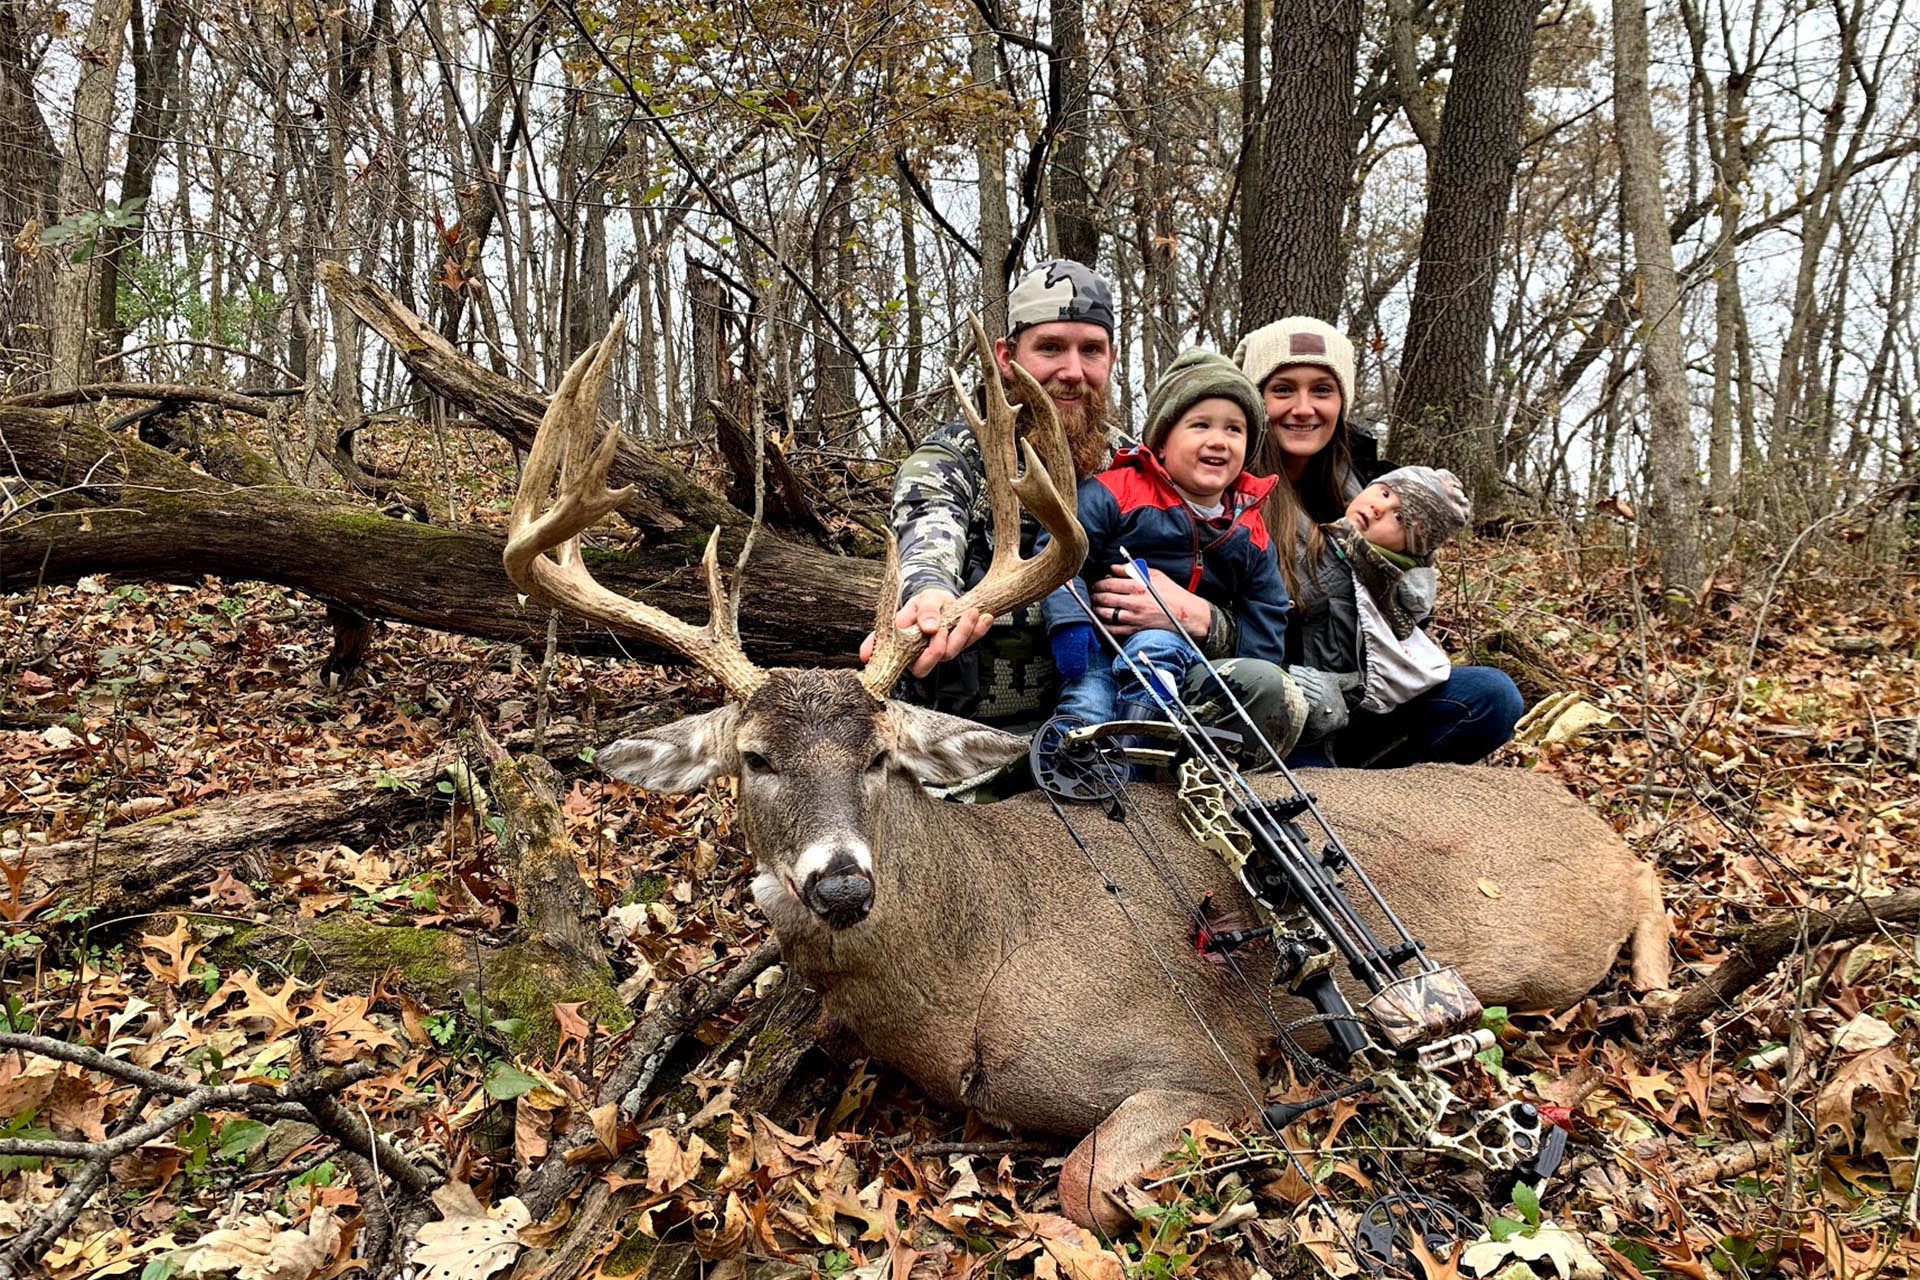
{"x": 1115, "y": 615}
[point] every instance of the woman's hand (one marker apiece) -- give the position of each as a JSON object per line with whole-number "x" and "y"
{"x": 1126, "y": 607}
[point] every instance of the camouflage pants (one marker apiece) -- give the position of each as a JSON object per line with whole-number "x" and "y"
{"x": 1268, "y": 695}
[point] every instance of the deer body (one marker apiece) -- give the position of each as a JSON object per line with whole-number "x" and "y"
{"x": 980, "y": 951}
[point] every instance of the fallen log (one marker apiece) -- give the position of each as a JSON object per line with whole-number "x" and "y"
{"x": 1763, "y": 947}
{"x": 128, "y": 509}
{"x": 167, "y": 858}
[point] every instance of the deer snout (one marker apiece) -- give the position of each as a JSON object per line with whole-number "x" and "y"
{"x": 836, "y": 882}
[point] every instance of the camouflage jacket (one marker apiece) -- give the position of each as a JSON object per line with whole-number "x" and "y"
{"x": 944, "y": 524}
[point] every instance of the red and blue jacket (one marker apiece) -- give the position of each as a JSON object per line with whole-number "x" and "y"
{"x": 1228, "y": 561}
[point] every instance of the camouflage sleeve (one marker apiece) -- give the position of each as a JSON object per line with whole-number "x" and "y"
{"x": 1223, "y": 635}
{"x": 933, "y": 499}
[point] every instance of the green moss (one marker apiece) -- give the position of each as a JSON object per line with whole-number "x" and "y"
{"x": 632, "y": 1254}
{"x": 525, "y": 981}
{"x": 372, "y": 526}
{"x": 160, "y": 820}
{"x": 770, "y": 1041}
{"x": 646, "y": 890}
{"x": 425, "y": 959}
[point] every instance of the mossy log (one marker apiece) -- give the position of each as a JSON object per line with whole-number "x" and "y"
{"x": 128, "y": 509}
{"x": 171, "y": 856}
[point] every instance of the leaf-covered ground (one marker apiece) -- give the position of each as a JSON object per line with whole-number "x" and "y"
{"x": 1763, "y": 752}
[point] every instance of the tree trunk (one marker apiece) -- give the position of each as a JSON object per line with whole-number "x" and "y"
{"x": 157, "y": 58}
{"x": 1253, "y": 49}
{"x": 1308, "y": 142}
{"x": 1671, "y": 464}
{"x": 1075, "y": 235}
{"x": 990, "y": 153}
{"x": 1440, "y": 413}
{"x": 29, "y": 160}
{"x": 83, "y": 175}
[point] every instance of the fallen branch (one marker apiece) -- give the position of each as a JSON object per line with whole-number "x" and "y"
{"x": 307, "y": 1096}
{"x": 691, "y": 1002}
{"x": 1763, "y": 947}
{"x": 238, "y": 401}
{"x": 1737, "y": 1160}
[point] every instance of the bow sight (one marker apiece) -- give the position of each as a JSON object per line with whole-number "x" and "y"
{"x": 1419, "y": 1017}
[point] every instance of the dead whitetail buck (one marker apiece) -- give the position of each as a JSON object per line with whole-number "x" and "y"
{"x": 975, "y": 947}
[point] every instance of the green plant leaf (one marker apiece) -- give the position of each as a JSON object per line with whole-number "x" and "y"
{"x": 508, "y": 1081}
{"x": 1528, "y": 1201}
{"x": 238, "y": 1137}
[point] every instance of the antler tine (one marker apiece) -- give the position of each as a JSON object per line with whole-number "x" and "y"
{"x": 561, "y": 580}
{"x": 1018, "y": 474}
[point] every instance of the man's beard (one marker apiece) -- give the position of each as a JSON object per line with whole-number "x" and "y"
{"x": 1085, "y": 422}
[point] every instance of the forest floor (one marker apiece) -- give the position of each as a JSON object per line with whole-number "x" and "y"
{"x": 1763, "y": 753}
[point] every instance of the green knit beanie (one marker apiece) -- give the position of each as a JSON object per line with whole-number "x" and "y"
{"x": 1196, "y": 375}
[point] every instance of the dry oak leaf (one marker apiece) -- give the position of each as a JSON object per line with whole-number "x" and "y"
{"x": 1883, "y": 1071}
{"x": 1071, "y": 1252}
{"x": 26, "y": 1088}
{"x": 85, "y": 1253}
{"x": 274, "y": 1009}
{"x": 259, "y": 1249}
{"x": 178, "y": 951}
{"x": 1567, "y": 1252}
{"x": 469, "y": 1242}
{"x": 669, "y": 1165}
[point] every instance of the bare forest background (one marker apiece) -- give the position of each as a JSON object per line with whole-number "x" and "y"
{"x": 1667, "y": 254}
{"x": 323, "y": 942}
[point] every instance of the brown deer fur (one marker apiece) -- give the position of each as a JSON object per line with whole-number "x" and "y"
{"x": 994, "y": 969}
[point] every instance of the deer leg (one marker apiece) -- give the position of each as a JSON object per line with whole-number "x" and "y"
{"x": 1650, "y": 960}
{"x": 1135, "y": 1134}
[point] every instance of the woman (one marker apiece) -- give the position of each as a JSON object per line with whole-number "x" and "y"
{"x": 1304, "y": 369}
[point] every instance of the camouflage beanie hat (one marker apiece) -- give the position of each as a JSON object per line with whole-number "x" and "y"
{"x": 1195, "y": 376}
{"x": 1060, "y": 289}
{"x": 1433, "y": 506}
{"x": 1298, "y": 340}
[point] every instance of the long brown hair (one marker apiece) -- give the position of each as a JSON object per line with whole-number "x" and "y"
{"x": 1320, "y": 497}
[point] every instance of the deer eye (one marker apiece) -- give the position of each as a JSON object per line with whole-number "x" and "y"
{"x": 878, "y": 762}
{"x": 755, "y": 762}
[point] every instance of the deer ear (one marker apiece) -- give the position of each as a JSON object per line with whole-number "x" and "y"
{"x": 943, "y": 749}
{"x": 683, "y": 756}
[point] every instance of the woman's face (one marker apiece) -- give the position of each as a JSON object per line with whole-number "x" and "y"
{"x": 1303, "y": 408}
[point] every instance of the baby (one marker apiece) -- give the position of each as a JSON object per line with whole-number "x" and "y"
{"x": 1388, "y": 537}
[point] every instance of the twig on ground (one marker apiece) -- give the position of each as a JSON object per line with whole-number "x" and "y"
{"x": 690, "y": 1002}
{"x": 308, "y": 1096}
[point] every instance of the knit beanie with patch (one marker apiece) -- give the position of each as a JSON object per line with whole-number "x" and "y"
{"x": 1060, "y": 289}
{"x": 1433, "y": 506}
{"x": 1196, "y": 375}
{"x": 1298, "y": 340}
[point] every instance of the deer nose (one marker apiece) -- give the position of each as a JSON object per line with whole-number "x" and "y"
{"x": 841, "y": 893}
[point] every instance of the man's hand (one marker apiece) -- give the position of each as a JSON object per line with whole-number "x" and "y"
{"x": 1125, "y": 606}
{"x": 923, "y": 611}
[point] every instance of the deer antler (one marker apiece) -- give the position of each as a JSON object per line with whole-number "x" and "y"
{"x": 564, "y": 445}
{"x": 1040, "y": 477}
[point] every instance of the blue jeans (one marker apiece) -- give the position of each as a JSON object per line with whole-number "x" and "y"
{"x": 1095, "y": 696}
{"x": 1459, "y": 722}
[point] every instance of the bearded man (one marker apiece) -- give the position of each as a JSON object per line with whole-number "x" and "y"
{"x": 999, "y": 670}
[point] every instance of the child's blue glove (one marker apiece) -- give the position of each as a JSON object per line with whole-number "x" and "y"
{"x": 1073, "y": 646}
